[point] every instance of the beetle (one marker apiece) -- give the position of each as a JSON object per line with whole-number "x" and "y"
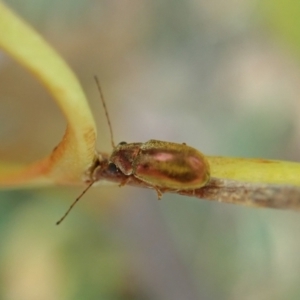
{"x": 160, "y": 165}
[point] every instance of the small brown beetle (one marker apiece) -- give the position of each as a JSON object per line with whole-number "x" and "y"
{"x": 161, "y": 165}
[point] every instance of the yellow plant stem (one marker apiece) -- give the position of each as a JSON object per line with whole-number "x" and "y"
{"x": 250, "y": 182}
{"x": 76, "y": 152}
{"x": 255, "y": 170}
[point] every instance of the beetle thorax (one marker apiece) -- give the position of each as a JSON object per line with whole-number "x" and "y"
{"x": 124, "y": 155}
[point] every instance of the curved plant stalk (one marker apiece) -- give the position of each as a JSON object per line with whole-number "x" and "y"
{"x": 76, "y": 152}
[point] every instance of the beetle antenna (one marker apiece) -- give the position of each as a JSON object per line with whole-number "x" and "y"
{"x": 106, "y": 112}
{"x": 73, "y": 204}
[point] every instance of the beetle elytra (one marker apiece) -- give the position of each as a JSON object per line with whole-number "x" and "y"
{"x": 162, "y": 165}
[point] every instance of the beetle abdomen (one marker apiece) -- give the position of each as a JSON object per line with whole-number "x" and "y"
{"x": 171, "y": 165}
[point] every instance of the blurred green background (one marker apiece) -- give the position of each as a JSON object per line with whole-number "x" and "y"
{"x": 222, "y": 76}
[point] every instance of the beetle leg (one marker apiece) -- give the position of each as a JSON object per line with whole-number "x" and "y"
{"x": 124, "y": 181}
{"x": 159, "y": 193}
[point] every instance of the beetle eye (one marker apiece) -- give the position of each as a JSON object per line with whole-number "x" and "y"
{"x": 112, "y": 168}
{"x": 122, "y": 143}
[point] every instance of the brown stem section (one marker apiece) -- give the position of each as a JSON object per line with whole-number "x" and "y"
{"x": 250, "y": 194}
{"x": 218, "y": 189}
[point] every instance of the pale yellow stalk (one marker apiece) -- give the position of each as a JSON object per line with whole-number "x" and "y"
{"x": 76, "y": 152}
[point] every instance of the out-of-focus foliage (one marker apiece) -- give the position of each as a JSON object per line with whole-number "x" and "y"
{"x": 208, "y": 69}
{"x": 283, "y": 18}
